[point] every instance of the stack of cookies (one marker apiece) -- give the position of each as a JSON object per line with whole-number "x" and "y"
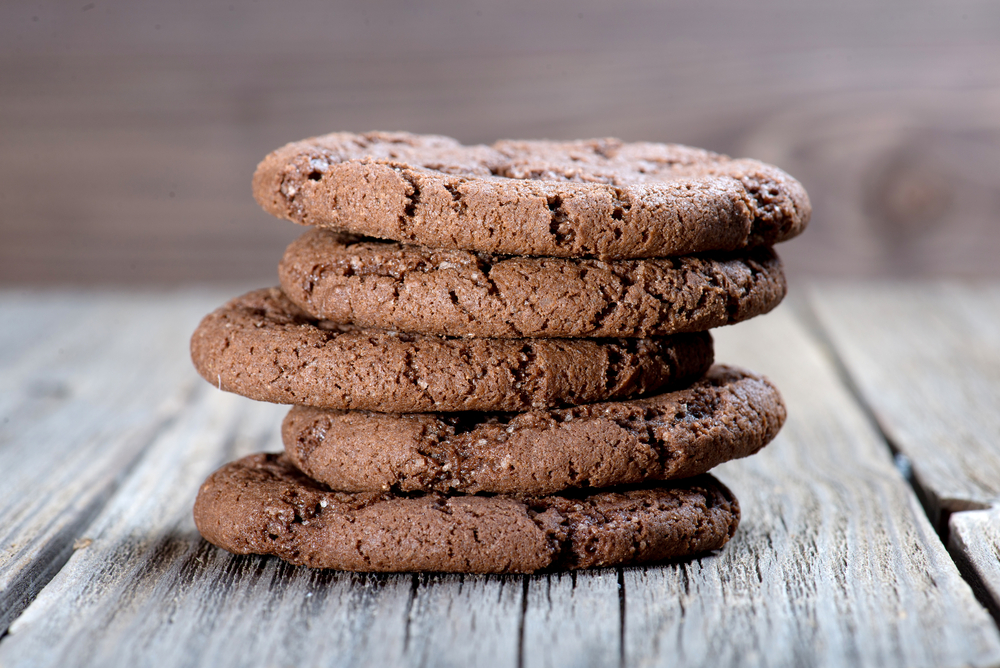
{"x": 498, "y": 357}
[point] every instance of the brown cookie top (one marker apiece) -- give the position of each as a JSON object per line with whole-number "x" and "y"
{"x": 598, "y": 197}
{"x": 262, "y": 346}
{"x": 261, "y": 504}
{"x": 460, "y": 293}
{"x": 728, "y": 414}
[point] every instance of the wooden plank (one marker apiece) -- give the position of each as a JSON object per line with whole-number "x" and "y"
{"x": 30, "y": 317}
{"x": 159, "y": 593}
{"x": 834, "y": 563}
{"x": 93, "y": 380}
{"x": 148, "y": 591}
{"x": 573, "y": 619}
{"x": 466, "y": 620}
{"x": 974, "y": 541}
{"x": 926, "y": 359}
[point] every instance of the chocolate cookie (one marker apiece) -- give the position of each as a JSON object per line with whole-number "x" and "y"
{"x": 731, "y": 413}
{"x": 261, "y": 504}
{"x": 459, "y": 293}
{"x": 262, "y": 346}
{"x": 598, "y": 197}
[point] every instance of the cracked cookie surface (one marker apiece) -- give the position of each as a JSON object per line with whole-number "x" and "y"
{"x": 728, "y": 414}
{"x": 262, "y": 504}
{"x": 590, "y": 198}
{"x": 264, "y": 347}
{"x": 460, "y": 293}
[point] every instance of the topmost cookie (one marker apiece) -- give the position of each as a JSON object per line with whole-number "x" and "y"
{"x": 597, "y": 197}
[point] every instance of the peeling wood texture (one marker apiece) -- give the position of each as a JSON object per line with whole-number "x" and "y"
{"x": 835, "y": 563}
{"x": 925, "y": 359}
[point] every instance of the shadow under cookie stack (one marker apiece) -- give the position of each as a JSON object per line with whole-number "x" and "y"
{"x": 498, "y": 356}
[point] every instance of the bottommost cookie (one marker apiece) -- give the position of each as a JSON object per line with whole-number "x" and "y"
{"x": 262, "y": 504}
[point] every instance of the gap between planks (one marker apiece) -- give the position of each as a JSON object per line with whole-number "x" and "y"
{"x": 938, "y": 518}
{"x": 925, "y": 357}
{"x": 866, "y": 329}
{"x": 172, "y": 597}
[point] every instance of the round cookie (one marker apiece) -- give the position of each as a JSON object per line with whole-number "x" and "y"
{"x": 459, "y": 293}
{"x": 262, "y": 346}
{"x": 599, "y": 197}
{"x": 262, "y": 505}
{"x": 730, "y": 413}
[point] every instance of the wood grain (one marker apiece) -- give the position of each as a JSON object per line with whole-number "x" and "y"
{"x": 466, "y": 620}
{"x": 149, "y": 591}
{"x": 904, "y": 180}
{"x": 974, "y": 540}
{"x": 573, "y": 619}
{"x": 834, "y": 564}
{"x": 88, "y": 381}
{"x": 133, "y": 129}
{"x": 925, "y": 358}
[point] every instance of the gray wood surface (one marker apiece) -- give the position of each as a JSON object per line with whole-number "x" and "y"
{"x": 573, "y": 619}
{"x": 88, "y": 381}
{"x": 974, "y": 540}
{"x": 834, "y": 563}
{"x": 926, "y": 360}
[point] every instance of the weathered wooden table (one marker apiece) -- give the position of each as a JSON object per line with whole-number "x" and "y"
{"x": 864, "y": 523}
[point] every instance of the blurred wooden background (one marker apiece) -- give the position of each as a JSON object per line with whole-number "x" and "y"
{"x": 129, "y": 130}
